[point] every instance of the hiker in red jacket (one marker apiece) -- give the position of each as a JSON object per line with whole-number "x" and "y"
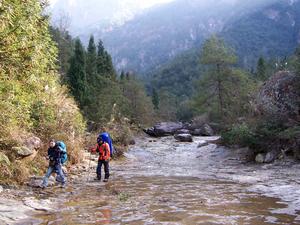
{"x": 104, "y": 156}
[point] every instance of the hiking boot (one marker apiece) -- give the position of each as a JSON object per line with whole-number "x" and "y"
{"x": 105, "y": 180}
{"x": 62, "y": 185}
{"x": 97, "y": 179}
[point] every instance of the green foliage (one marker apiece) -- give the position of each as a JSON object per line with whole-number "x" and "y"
{"x": 104, "y": 63}
{"x": 65, "y": 46}
{"x": 91, "y": 61}
{"x": 155, "y": 98}
{"x": 216, "y": 53}
{"x": 32, "y": 101}
{"x": 140, "y": 107}
{"x": 261, "y": 72}
{"x": 223, "y": 91}
{"x": 77, "y": 73}
{"x": 239, "y": 134}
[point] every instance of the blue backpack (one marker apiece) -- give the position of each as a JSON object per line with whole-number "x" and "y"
{"x": 62, "y": 146}
{"x": 106, "y": 138}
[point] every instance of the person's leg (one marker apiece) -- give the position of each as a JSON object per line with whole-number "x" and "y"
{"x": 99, "y": 167}
{"x": 106, "y": 170}
{"x": 60, "y": 173}
{"x": 47, "y": 175}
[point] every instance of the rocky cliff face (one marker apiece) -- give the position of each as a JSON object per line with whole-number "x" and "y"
{"x": 280, "y": 96}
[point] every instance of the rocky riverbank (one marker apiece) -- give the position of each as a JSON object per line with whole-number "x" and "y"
{"x": 220, "y": 186}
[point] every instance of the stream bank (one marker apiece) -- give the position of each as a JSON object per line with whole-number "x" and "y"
{"x": 161, "y": 181}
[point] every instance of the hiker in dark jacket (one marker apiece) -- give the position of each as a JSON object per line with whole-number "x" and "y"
{"x": 54, "y": 156}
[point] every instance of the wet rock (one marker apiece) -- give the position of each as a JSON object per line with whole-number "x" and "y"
{"x": 206, "y": 130}
{"x": 38, "y": 204}
{"x": 163, "y": 129}
{"x": 202, "y": 144}
{"x": 245, "y": 153}
{"x": 167, "y": 128}
{"x": 150, "y": 131}
{"x": 271, "y": 156}
{"x": 183, "y": 137}
{"x": 37, "y": 181}
{"x": 182, "y": 131}
{"x": 132, "y": 142}
{"x": 260, "y": 158}
{"x": 196, "y": 132}
{"x": 12, "y": 210}
{"x": 198, "y": 122}
{"x": 217, "y": 140}
{"x": 23, "y": 151}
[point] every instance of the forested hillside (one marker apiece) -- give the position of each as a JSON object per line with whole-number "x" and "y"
{"x": 34, "y": 106}
{"x": 271, "y": 32}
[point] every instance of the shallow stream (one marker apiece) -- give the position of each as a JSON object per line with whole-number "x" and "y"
{"x": 161, "y": 181}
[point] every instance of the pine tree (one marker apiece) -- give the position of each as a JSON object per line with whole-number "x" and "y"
{"x": 222, "y": 90}
{"x": 65, "y": 47}
{"x": 261, "y": 69}
{"x": 155, "y": 99}
{"x": 104, "y": 63}
{"x": 91, "y": 61}
{"x": 122, "y": 76}
{"x": 76, "y": 73}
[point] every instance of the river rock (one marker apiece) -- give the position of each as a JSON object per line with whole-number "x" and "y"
{"x": 23, "y": 151}
{"x": 183, "y": 137}
{"x": 39, "y": 204}
{"x": 150, "y": 131}
{"x": 36, "y": 181}
{"x": 183, "y": 131}
{"x": 196, "y": 132}
{"x": 167, "y": 128}
{"x": 206, "y": 130}
{"x": 12, "y": 210}
{"x": 260, "y": 158}
{"x": 132, "y": 142}
{"x": 202, "y": 144}
{"x": 271, "y": 156}
{"x": 163, "y": 129}
{"x": 198, "y": 122}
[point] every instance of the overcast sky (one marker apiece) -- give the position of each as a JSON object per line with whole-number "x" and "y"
{"x": 139, "y": 3}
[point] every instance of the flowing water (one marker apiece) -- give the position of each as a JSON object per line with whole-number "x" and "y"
{"x": 166, "y": 182}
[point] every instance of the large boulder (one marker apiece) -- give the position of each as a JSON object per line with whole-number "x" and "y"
{"x": 33, "y": 143}
{"x": 260, "y": 158}
{"x": 23, "y": 151}
{"x": 271, "y": 156}
{"x": 196, "y": 127}
{"x": 280, "y": 96}
{"x": 167, "y": 128}
{"x": 183, "y": 137}
{"x": 207, "y": 130}
{"x": 183, "y": 131}
{"x": 164, "y": 129}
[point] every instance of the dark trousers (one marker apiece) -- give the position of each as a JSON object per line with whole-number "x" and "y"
{"x": 106, "y": 169}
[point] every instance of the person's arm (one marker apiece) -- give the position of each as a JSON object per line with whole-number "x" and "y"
{"x": 94, "y": 149}
{"x": 107, "y": 157}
